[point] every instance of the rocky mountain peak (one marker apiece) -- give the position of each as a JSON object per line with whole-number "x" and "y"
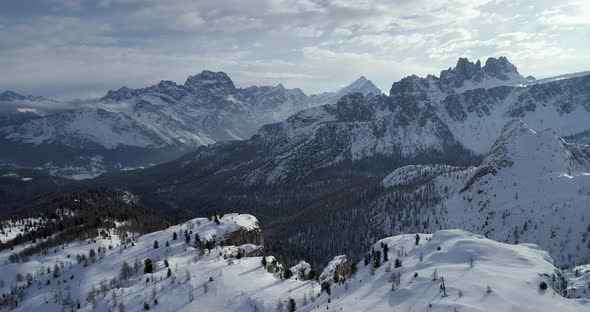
{"x": 410, "y": 85}
{"x": 121, "y": 94}
{"x": 209, "y": 80}
{"x": 353, "y": 107}
{"x": 464, "y": 70}
{"x": 362, "y": 85}
{"x": 499, "y": 68}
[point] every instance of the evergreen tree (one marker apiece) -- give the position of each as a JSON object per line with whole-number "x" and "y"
{"x": 326, "y": 288}
{"x": 353, "y": 269}
{"x": 398, "y": 263}
{"x": 263, "y": 261}
{"x": 166, "y": 264}
{"x": 292, "y": 305}
{"x": 156, "y": 244}
{"x": 385, "y": 251}
{"x": 174, "y": 236}
{"x": 148, "y": 266}
{"x": 56, "y": 271}
{"x": 187, "y": 237}
{"x": 126, "y": 271}
{"x": 377, "y": 259}
{"x": 287, "y": 274}
{"x": 169, "y": 273}
{"x": 417, "y": 239}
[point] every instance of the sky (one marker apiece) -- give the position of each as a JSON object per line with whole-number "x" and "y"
{"x": 82, "y": 48}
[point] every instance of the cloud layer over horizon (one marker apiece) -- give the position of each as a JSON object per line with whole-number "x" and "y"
{"x": 74, "y": 48}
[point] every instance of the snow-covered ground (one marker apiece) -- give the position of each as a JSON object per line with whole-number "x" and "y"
{"x": 480, "y": 275}
{"x": 10, "y": 229}
{"x": 502, "y": 278}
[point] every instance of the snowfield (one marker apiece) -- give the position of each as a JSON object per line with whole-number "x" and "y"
{"x": 512, "y": 272}
{"x": 480, "y": 275}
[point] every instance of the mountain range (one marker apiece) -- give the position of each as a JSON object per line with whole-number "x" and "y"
{"x": 141, "y": 127}
{"x": 326, "y": 164}
{"x": 463, "y": 191}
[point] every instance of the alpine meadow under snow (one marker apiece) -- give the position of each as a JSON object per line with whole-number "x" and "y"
{"x": 136, "y": 175}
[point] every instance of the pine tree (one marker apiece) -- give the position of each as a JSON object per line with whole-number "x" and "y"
{"x": 263, "y": 261}
{"x": 292, "y": 305}
{"x": 156, "y": 244}
{"x": 148, "y": 266}
{"x": 187, "y": 238}
{"x": 385, "y": 251}
{"x": 174, "y": 236}
{"x": 417, "y": 239}
{"x": 377, "y": 259}
{"x": 353, "y": 269}
{"x": 166, "y": 264}
{"x": 169, "y": 273}
{"x": 287, "y": 274}
{"x": 56, "y": 271}
{"x": 398, "y": 263}
{"x": 126, "y": 271}
{"x": 326, "y": 288}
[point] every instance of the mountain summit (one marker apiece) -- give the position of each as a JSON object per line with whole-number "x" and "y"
{"x": 466, "y": 75}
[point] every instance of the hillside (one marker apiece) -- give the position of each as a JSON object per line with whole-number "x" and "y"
{"x": 220, "y": 273}
{"x": 533, "y": 187}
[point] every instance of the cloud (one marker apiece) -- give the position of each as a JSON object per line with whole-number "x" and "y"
{"x": 71, "y": 48}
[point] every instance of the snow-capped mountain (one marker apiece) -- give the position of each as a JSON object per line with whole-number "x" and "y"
{"x": 533, "y": 187}
{"x": 361, "y": 85}
{"x": 326, "y": 163}
{"x": 207, "y": 108}
{"x": 83, "y": 127}
{"x": 218, "y": 264}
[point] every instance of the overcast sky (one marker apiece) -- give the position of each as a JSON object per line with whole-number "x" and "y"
{"x": 75, "y": 48}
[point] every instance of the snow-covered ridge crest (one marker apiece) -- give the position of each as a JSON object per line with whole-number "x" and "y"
{"x": 518, "y": 143}
{"x": 478, "y": 274}
{"x": 224, "y": 228}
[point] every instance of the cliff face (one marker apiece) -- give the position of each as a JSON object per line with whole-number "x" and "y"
{"x": 245, "y": 236}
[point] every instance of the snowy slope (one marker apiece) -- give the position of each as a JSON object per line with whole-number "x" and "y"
{"x": 532, "y": 187}
{"x": 83, "y": 127}
{"x": 513, "y": 273}
{"x": 222, "y": 280}
{"x": 579, "y": 281}
{"x": 236, "y": 285}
